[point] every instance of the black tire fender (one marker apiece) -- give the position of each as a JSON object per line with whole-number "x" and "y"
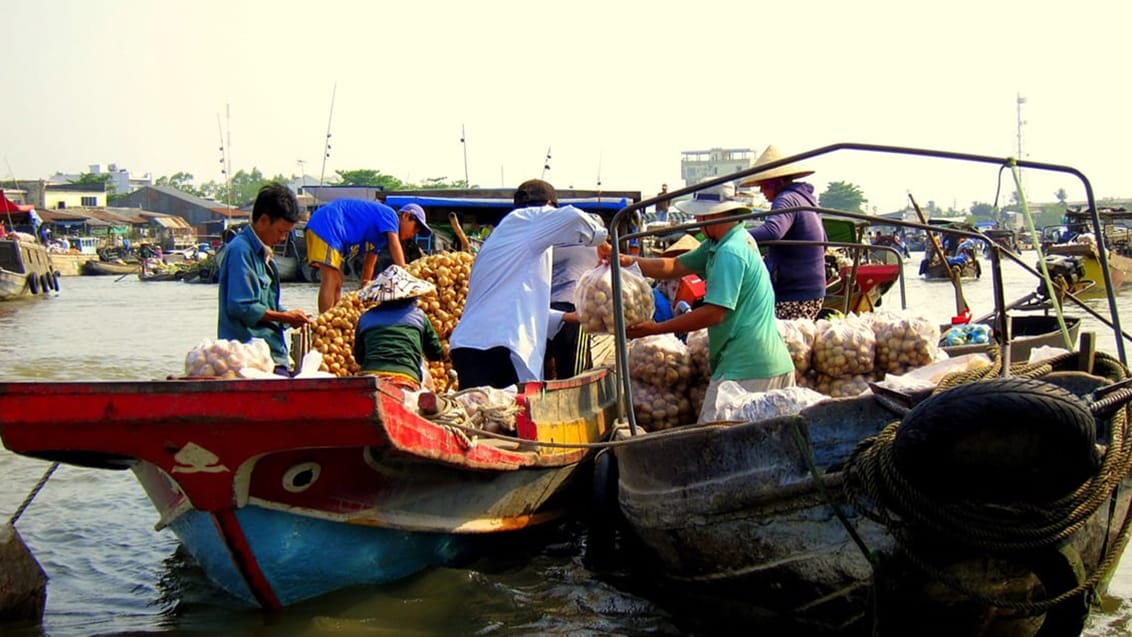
{"x": 998, "y": 440}
{"x": 55, "y": 280}
{"x": 33, "y": 283}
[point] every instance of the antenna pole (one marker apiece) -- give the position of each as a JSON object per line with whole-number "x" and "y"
{"x": 326, "y": 149}
{"x": 545, "y": 163}
{"x": 225, "y": 164}
{"x": 464, "y": 143}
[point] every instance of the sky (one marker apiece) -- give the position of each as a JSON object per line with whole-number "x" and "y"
{"x": 616, "y": 90}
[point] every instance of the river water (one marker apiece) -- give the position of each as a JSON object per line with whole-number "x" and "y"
{"x": 111, "y": 573}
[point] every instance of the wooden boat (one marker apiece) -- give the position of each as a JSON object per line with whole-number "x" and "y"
{"x": 932, "y": 269}
{"x": 1119, "y": 266}
{"x": 995, "y": 503}
{"x": 25, "y": 269}
{"x": 868, "y": 285}
{"x": 283, "y": 490}
{"x": 750, "y": 523}
{"x": 95, "y": 267}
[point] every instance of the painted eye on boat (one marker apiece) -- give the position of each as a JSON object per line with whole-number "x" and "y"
{"x": 300, "y": 477}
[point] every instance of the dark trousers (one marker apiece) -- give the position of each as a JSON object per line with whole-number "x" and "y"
{"x": 483, "y": 367}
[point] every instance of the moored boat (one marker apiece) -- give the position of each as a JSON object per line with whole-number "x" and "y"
{"x": 97, "y": 267}
{"x": 985, "y": 500}
{"x": 25, "y": 269}
{"x": 283, "y": 490}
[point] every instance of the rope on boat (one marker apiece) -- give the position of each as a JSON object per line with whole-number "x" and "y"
{"x": 896, "y": 504}
{"x": 34, "y": 492}
{"x": 453, "y": 416}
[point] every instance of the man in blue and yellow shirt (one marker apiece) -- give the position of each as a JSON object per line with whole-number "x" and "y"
{"x": 249, "y": 278}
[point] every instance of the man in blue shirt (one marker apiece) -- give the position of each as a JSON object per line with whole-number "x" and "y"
{"x": 343, "y": 224}
{"x": 249, "y": 278}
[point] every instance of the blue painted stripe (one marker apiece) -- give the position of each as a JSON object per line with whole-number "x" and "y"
{"x": 305, "y": 557}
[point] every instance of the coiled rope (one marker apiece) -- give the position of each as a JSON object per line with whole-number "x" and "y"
{"x": 878, "y": 491}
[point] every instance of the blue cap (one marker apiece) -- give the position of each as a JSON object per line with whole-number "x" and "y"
{"x": 418, "y": 214}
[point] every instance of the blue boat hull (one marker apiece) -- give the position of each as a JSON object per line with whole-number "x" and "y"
{"x": 303, "y": 557}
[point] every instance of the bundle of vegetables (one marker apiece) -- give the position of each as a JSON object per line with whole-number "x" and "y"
{"x": 660, "y": 368}
{"x": 593, "y": 298}
{"x": 225, "y": 358}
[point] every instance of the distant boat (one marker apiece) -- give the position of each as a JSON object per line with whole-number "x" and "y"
{"x": 95, "y": 267}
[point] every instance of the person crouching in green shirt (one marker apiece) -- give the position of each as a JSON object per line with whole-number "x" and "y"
{"x": 249, "y": 279}
{"x": 738, "y": 308}
{"x": 392, "y": 337}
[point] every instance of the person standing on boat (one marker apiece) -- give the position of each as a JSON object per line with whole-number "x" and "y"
{"x": 249, "y": 279}
{"x": 738, "y": 308}
{"x": 502, "y": 334}
{"x": 343, "y": 224}
{"x": 392, "y": 337}
{"x": 568, "y": 352}
{"x": 798, "y": 272}
{"x": 662, "y": 206}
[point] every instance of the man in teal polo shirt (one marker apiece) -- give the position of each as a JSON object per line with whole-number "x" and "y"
{"x": 738, "y": 307}
{"x": 249, "y": 279}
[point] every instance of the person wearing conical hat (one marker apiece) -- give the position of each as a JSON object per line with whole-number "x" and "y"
{"x": 738, "y": 307}
{"x": 798, "y": 272}
{"x": 392, "y": 337}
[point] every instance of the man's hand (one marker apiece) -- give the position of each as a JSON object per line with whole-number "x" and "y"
{"x": 295, "y": 318}
{"x": 646, "y": 328}
{"x": 605, "y": 251}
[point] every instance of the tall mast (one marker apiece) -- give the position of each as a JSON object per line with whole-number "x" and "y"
{"x": 326, "y": 149}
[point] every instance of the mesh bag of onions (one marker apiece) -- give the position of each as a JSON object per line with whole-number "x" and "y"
{"x": 225, "y": 358}
{"x": 593, "y": 298}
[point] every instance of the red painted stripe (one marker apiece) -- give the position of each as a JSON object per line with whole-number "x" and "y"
{"x": 233, "y": 535}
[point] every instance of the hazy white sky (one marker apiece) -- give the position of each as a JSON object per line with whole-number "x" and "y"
{"x": 617, "y": 89}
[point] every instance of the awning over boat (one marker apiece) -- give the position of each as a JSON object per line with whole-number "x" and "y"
{"x": 7, "y": 205}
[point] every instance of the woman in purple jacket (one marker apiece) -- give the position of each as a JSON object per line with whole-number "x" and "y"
{"x": 798, "y": 272}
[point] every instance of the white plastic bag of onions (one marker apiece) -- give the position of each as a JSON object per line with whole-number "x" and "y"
{"x": 225, "y": 358}
{"x": 904, "y": 341}
{"x": 661, "y": 360}
{"x": 658, "y": 408}
{"x": 593, "y": 298}
{"x": 843, "y": 386}
{"x": 799, "y": 336}
{"x": 844, "y": 347}
{"x": 700, "y": 349}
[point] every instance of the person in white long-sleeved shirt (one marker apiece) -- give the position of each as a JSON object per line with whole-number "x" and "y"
{"x": 501, "y": 337}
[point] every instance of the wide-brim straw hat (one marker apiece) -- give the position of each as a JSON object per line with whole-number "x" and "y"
{"x": 770, "y": 155}
{"x": 394, "y": 283}
{"x": 710, "y": 201}
{"x": 686, "y": 243}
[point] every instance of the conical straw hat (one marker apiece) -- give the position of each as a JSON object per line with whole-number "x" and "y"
{"x": 771, "y": 154}
{"x": 392, "y": 284}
